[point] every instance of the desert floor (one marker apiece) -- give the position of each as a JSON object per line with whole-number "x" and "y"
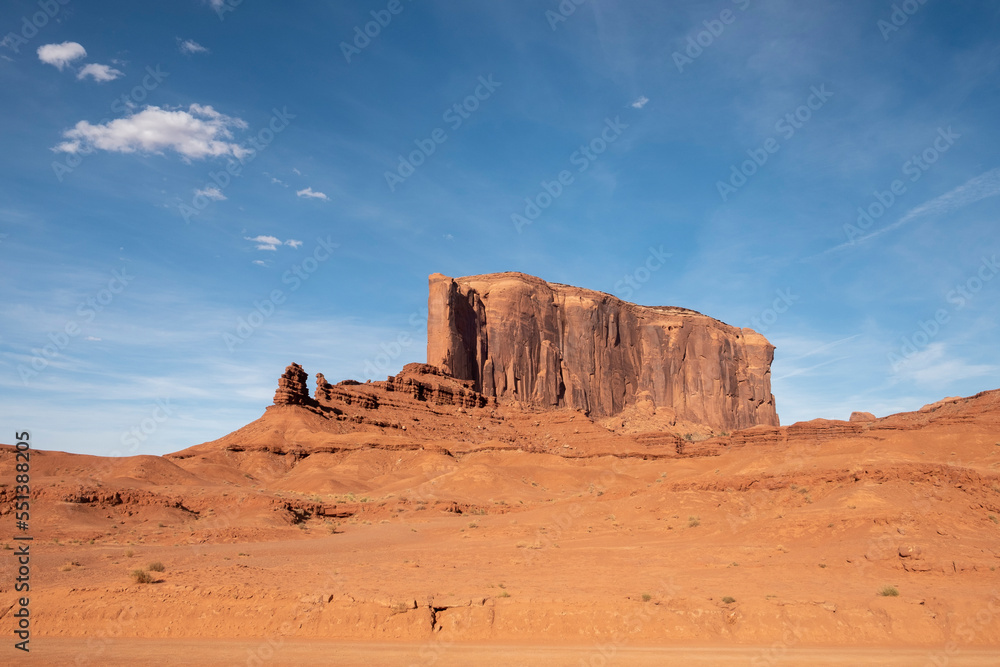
{"x": 767, "y": 546}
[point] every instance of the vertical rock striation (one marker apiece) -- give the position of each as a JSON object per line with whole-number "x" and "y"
{"x": 529, "y": 342}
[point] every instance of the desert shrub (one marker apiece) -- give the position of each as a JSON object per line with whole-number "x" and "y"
{"x": 888, "y": 591}
{"x": 728, "y": 600}
{"x": 646, "y": 597}
{"x": 694, "y": 522}
{"x": 156, "y": 567}
{"x": 142, "y": 577}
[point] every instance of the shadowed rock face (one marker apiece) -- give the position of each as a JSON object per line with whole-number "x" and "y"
{"x": 526, "y": 341}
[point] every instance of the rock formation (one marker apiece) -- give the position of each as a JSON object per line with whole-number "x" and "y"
{"x": 862, "y": 417}
{"x": 525, "y": 341}
{"x": 292, "y": 389}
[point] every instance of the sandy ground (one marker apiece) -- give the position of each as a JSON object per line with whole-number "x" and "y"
{"x": 295, "y": 653}
{"x": 773, "y": 546}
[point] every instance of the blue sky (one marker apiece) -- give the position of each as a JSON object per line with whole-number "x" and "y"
{"x": 728, "y": 145}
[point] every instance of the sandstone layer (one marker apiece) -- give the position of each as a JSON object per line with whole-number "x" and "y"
{"x": 528, "y": 342}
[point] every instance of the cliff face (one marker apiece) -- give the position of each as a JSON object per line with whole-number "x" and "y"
{"x": 523, "y": 340}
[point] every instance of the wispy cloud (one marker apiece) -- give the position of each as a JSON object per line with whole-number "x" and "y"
{"x": 309, "y": 193}
{"x": 266, "y": 242}
{"x": 60, "y": 55}
{"x": 189, "y": 46}
{"x": 640, "y": 103}
{"x": 99, "y": 73}
{"x": 981, "y": 187}
{"x": 199, "y": 132}
{"x": 211, "y": 192}
{"x": 932, "y": 366}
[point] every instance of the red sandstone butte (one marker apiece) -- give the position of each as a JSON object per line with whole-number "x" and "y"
{"x": 528, "y": 342}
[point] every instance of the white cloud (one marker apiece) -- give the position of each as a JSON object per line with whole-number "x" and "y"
{"x": 267, "y": 242}
{"x": 189, "y": 46}
{"x": 297, "y": 172}
{"x": 60, "y": 55}
{"x": 641, "y": 102}
{"x": 278, "y": 181}
{"x": 100, "y": 73}
{"x": 217, "y": 4}
{"x": 308, "y": 192}
{"x": 983, "y": 186}
{"x": 260, "y": 262}
{"x": 933, "y": 367}
{"x": 211, "y": 192}
{"x": 199, "y": 132}
{"x": 93, "y": 338}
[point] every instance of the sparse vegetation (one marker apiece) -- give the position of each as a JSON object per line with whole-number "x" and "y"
{"x": 728, "y": 600}
{"x": 142, "y": 577}
{"x": 694, "y": 521}
{"x": 689, "y": 437}
{"x": 646, "y": 597}
{"x": 822, "y": 564}
{"x": 888, "y": 591}
{"x": 504, "y": 594}
{"x": 129, "y": 553}
{"x": 156, "y": 566}
{"x": 993, "y": 518}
